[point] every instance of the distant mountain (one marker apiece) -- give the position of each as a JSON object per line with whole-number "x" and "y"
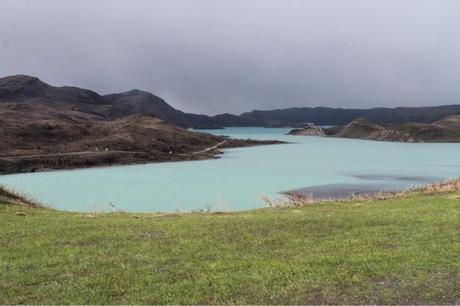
{"x": 21, "y": 88}
{"x": 27, "y": 89}
{"x": 142, "y": 102}
{"x": 295, "y": 117}
{"x": 30, "y": 90}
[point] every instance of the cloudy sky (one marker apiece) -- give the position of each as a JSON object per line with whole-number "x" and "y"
{"x": 211, "y": 56}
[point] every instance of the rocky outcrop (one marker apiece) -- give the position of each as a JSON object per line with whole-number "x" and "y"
{"x": 308, "y": 130}
{"x": 445, "y": 130}
{"x": 361, "y": 128}
{"x": 452, "y": 122}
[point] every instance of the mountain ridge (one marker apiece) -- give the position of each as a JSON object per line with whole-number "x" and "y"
{"x": 143, "y": 102}
{"x": 29, "y": 89}
{"x": 298, "y": 116}
{"x": 23, "y": 88}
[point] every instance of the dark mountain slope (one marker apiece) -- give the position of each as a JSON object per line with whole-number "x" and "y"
{"x": 30, "y": 90}
{"x": 294, "y": 117}
{"x": 18, "y": 88}
{"x": 21, "y": 88}
{"x": 27, "y": 89}
{"x": 141, "y": 102}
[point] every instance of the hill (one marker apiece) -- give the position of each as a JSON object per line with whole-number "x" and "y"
{"x": 444, "y": 130}
{"x": 27, "y": 89}
{"x": 46, "y": 127}
{"x": 142, "y": 102}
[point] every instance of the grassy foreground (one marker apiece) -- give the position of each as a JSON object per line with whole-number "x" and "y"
{"x": 401, "y": 250}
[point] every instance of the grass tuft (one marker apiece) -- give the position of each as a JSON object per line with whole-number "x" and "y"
{"x": 11, "y": 196}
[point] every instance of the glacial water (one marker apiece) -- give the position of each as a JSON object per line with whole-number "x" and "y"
{"x": 236, "y": 181}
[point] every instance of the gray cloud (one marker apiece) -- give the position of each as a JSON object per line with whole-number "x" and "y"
{"x": 236, "y": 55}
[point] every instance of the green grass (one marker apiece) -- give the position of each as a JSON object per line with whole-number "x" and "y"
{"x": 402, "y": 250}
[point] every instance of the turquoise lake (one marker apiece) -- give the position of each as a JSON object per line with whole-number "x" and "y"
{"x": 241, "y": 176}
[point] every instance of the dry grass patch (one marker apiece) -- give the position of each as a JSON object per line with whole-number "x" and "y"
{"x": 293, "y": 200}
{"x": 11, "y": 196}
{"x": 446, "y": 186}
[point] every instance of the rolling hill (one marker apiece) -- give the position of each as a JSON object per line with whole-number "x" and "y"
{"x": 46, "y": 127}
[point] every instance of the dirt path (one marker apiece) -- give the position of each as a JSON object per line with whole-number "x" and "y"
{"x": 210, "y": 148}
{"x": 101, "y": 152}
{"x": 70, "y": 154}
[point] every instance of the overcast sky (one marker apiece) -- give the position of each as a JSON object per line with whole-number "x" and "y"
{"x": 215, "y": 56}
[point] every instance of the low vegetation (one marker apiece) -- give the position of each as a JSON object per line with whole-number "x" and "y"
{"x": 400, "y": 250}
{"x": 12, "y": 197}
{"x": 444, "y": 130}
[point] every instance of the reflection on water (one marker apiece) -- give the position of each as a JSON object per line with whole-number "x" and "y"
{"x": 380, "y": 177}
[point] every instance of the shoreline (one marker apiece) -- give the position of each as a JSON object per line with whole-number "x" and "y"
{"x": 71, "y": 161}
{"x": 291, "y": 199}
{"x": 341, "y": 191}
{"x": 347, "y": 190}
{"x": 369, "y": 184}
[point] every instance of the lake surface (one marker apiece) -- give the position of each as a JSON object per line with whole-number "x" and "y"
{"x": 236, "y": 181}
